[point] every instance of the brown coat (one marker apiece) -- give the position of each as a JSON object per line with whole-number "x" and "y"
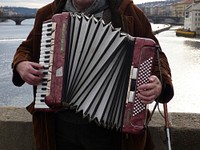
{"x": 127, "y": 16}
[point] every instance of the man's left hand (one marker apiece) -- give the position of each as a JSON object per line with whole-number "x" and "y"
{"x": 150, "y": 91}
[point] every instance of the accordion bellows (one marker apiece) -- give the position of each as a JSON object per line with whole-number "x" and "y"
{"x": 98, "y": 72}
{"x": 91, "y": 69}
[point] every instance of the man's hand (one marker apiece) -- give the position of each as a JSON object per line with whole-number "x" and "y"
{"x": 29, "y": 72}
{"x": 150, "y": 91}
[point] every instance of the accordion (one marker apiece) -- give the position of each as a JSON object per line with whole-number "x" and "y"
{"x": 94, "y": 68}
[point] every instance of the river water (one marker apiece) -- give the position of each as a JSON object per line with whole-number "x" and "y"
{"x": 183, "y": 55}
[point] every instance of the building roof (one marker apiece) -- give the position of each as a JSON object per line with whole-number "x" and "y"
{"x": 193, "y": 7}
{"x": 187, "y": 1}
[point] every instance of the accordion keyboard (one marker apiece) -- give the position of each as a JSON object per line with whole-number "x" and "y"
{"x": 44, "y": 60}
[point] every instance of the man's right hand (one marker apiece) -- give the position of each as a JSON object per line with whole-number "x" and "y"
{"x": 29, "y": 72}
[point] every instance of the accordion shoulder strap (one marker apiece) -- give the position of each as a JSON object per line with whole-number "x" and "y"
{"x": 115, "y": 3}
{"x": 114, "y": 7}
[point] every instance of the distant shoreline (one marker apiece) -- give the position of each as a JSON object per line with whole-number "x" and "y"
{"x": 3, "y": 20}
{"x": 161, "y": 29}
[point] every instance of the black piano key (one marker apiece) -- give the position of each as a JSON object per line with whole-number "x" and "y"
{"x": 44, "y": 89}
{"x": 48, "y": 45}
{"x": 46, "y": 56}
{"x": 49, "y": 25}
{"x": 42, "y": 100}
{"x": 44, "y": 84}
{"x": 46, "y": 61}
{"x": 45, "y": 73}
{"x": 44, "y": 80}
{"x": 49, "y": 29}
{"x": 48, "y": 41}
{"x": 48, "y": 34}
{"x": 47, "y": 52}
{"x": 42, "y": 95}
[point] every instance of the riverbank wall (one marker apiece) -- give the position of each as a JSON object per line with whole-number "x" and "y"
{"x": 160, "y": 29}
{"x": 16, "y": 131}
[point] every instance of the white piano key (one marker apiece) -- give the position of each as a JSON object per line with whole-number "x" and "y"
{"x": 46, "y": 40}
{"x": 45, "y": 56}
{"x": 46, "y": 29}
{"x": 44, "y": 60}
{"x": 38, "y": 98}
{"x": 48, "y": 24}
{"x": 44, "y": 50}
{"x": 42, "y": 84}
{"x": 42, "y": 90}
{"x": 40, "y": 105}
{"x": 46, "y": 36}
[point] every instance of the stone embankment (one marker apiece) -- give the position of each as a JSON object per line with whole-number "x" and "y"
{"x": 16, "y": 130}
{"x": 161, "y": 29}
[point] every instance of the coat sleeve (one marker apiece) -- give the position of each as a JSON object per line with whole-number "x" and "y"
{"x": 136, "y": 24}
{"x": 29, "y": 49}
{"x": 24, "y": 53}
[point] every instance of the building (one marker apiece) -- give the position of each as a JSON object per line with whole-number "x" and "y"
{"x": 173, "y": 8}
{"x": 178, "y": 9}
{"x": 1, "y": 11}
{"x": 192, "y": 17}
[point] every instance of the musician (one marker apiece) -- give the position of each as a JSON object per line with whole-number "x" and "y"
{"x": 66, "y": 129}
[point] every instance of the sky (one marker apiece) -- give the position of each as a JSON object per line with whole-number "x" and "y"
{"x": 38, "y": 4}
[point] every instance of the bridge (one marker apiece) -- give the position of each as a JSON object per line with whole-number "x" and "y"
{"x": 17, "y": 18}
{"x": 154, "y": 19}
{"x": 166, "y": 20}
